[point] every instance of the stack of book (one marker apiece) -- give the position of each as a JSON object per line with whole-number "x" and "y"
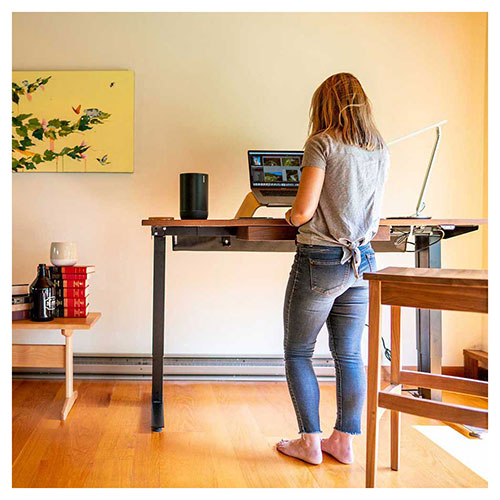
{"x": 72, "y": 290}
{"x": 21, "y": 302}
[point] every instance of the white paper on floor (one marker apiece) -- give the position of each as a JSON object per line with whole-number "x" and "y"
{"x": 473, "y": 453}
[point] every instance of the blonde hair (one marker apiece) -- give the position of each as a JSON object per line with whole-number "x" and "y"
{"x": 340, "y": 108}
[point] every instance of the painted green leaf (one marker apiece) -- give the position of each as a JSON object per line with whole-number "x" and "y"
{"x": 33, "y": 124}
{"x": 54, "y": 123}
{"x": 49, "y": 155}
{"x": 27, "y": 142}
{"x": 38, "y": 134}
{"x": 22, "y": 131}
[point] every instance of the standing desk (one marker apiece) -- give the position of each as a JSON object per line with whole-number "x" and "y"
{"x": 275, "y": 235}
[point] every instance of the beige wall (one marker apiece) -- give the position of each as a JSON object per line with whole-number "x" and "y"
{"x": 210, "y": 86}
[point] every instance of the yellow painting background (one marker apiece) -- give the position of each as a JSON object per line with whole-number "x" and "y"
{"x": 90, "y": 89}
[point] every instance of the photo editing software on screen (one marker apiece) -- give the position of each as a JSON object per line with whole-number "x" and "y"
{"x": 275, "y": 168}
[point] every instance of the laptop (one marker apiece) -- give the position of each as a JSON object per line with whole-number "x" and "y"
{"x": 275, "y": 176}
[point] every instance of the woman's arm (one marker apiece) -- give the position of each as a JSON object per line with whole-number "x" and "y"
{"x": 307, "y": 199}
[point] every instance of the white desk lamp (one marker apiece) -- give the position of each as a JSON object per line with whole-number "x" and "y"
{"x": 421, "y": 202}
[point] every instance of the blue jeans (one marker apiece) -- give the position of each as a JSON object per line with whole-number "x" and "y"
{"x": 320, "y": 290}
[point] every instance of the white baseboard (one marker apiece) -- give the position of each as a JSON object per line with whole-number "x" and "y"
{"x": 125, "y": 365}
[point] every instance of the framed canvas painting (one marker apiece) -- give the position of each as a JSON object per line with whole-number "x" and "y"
{"x": 73, "y": 121}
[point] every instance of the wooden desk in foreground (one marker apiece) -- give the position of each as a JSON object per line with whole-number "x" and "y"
{"x": 276, "y": 235}
{"x": 52, "y": 356}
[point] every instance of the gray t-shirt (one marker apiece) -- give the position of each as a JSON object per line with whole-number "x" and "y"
{"x": 349, "y": 206}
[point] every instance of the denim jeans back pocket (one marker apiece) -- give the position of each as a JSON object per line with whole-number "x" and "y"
{"x": 328, "y": 276}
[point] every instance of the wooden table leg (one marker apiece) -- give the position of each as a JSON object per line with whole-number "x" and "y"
{"x": 70, "y": 394}
{"x": 471, "y": 367}
{"x": 373, "y": 388}
{"x": 395, "y": 369}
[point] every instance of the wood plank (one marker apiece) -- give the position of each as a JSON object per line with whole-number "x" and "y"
{"x": 38, "y": 356}
{"x": 32, "y": 402}
{"x": 58, "y": 323}
{"x": 444, "y": 298}
{"x": 420, "y": 275}
{"x": 171, "y": 222}
{"x": 444, "y": 383}
{"x": 435, "y": 410}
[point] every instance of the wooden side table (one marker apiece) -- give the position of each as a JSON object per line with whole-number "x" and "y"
{"x": 436, "y": 289}
{"x": 472, "y": 358}
{"x": 52, "y": 356}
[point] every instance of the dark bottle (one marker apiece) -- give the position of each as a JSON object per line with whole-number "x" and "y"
{"x": 43, "y": 296}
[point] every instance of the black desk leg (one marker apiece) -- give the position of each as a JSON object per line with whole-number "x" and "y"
{"x": 429, "y": 334}
{"x": 158, "y": 327}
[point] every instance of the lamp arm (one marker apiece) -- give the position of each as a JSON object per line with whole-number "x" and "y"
{"x": 421, "y": 203}
{"x": 417, "y": 132}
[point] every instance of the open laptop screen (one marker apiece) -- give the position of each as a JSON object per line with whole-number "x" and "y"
{"x": 275, "y": 168}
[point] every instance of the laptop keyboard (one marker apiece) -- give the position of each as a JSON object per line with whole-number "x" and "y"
{"x": 272, "y": 192}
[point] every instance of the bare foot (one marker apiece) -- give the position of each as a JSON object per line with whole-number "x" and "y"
{"x": 339, "y": 446}
{"x": 306, "y": 448}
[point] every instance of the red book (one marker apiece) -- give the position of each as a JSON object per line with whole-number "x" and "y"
{"x": 72, "y": 269}
{"x": 76, "y": 302}
{"x": 71, "y": 283}
{"x": 76, "y": 312}
{"x": 69, "y": 276}
{"x": 72, "y": 293}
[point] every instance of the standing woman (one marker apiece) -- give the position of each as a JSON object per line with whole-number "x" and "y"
{"x": 337, "y": 211}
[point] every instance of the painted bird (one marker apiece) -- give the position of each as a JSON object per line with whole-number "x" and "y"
{"x": 104, "y": 160}
{"x": 92, "y": 112}
{"x": 77, "y": 109}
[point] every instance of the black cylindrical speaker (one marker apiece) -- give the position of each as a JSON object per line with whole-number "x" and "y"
{"x": 194, "y": 196}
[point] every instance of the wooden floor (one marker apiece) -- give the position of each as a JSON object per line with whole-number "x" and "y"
{"x": 218, "y": 434}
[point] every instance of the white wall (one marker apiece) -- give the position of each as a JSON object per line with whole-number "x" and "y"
{"x": 209, "y": 87}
